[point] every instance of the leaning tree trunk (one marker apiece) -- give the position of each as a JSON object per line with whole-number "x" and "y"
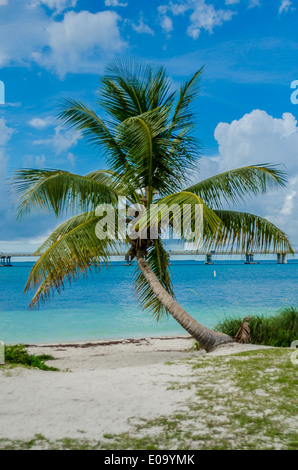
{"x": 208, "y": 339}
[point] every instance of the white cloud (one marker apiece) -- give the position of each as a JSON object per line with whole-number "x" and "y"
{"x": 5, "y": 136}
{"x": 5, "y": 132}
{"x": 142, "y": 27}
{"x": 114, "y": 3}
{"x": 64, "y": 139}
{"x": 231, "y": 2}
{"x": 260, "y": 138}
{"x": 25, "y": 245}
{"x": 284, "y": 6}
{"x": 207, "y": 17}
{"x": 254, "y": 3}
{"x": 61, "y": 141}
{"x": 72, "y": 159}
{"x": 3, "y": 183}
{"x": 3, "y": 3}
{"x": 203, "y": 16}
{"x": 3, "y": 162}
{"x": 178, "y": 8}
{"x": 166, "y": 24}
{"x": 79, "y": 41}
{"x": 30, "y": 25}
{"x": 9, "y": 229}
{"x": 288, "y": 206}
{"x": 57, "y": 5}
{"x": 39, "y": 123}
{"x": 37, "y": 161}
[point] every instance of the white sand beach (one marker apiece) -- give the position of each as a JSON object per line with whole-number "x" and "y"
{"x": 104, "y": 385}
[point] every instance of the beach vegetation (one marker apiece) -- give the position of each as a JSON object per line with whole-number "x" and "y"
{"x": 17, "y": 354}
{"x": 277, "y": 330}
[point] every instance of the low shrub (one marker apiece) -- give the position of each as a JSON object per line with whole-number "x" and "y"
{"x": 18, "y": 354}
{"x": 278, "y": 330}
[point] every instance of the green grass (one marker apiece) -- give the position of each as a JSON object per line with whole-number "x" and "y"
{"x": 244, "y": 401}
{"x": 40, "y": 442}
{"x": 278, "y": 330}
{"x": 18, "y": 355}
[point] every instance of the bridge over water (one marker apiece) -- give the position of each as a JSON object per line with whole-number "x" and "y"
{"x": 5, "y": 258}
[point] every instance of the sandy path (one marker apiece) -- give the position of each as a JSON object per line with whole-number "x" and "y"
{"x": 108, "y": 383}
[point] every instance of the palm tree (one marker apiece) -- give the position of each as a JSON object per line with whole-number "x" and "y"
{"x": 147, "y": 138}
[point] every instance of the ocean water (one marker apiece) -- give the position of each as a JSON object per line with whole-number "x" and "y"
{"x": 104, "y": 305}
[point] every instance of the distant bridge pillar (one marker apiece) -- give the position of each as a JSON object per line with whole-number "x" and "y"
{"x": 5, "y": 261}
{"x": 281, "y": 258}
{"x": 249, "y": 258}
{"x": 208, "y": 259}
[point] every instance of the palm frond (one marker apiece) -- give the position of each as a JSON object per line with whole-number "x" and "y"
{"x": 78, "y": 116}
{"x": 188, "y": 93}
{"x": 114, "y": 180}
{"x": 130, "y": 88}
{"x": 245, "y": 232}
{"x": 59, "y": 191}
{"x": 235, "y": 185}
{"x": 137, "y": 136}
{"x": 64, "y": 228}
{"x": 70, "y": 251}
{"x": 155, "y": 159}
{"x": 189, "y": 218}
{"x": 158, "y": 260}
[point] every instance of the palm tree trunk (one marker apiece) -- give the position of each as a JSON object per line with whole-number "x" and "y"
{"x": 208, "y": 339}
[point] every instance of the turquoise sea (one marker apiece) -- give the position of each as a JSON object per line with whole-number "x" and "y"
{"x": 104, "y": 306}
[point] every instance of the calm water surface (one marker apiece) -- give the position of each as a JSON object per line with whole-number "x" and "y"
{"x": 104, "y": 305}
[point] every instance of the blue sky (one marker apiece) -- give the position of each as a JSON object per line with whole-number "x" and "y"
{"x": 50, "y": 49}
